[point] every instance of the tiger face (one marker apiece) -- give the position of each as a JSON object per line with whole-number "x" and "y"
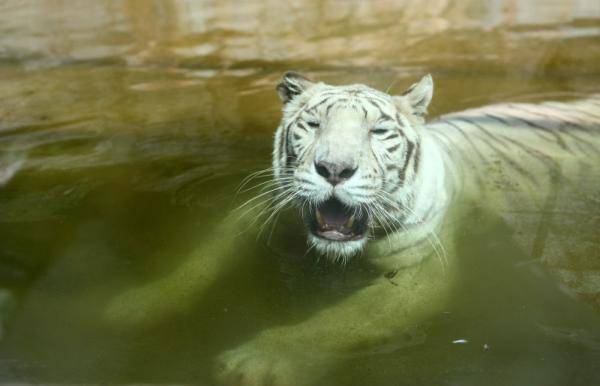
{"x": 348, "y": 158}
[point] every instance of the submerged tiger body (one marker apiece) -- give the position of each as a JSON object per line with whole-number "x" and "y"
{"x": 537, "y": 168}
{"x": 527, "y": 163}
{"x": 369, "y": 177}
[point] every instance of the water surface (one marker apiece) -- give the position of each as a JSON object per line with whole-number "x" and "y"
{"x": 125, "y": 128}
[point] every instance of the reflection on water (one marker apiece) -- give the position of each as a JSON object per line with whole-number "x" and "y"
{"x": 226, "y": 35}
{"x": 125, "y": 127}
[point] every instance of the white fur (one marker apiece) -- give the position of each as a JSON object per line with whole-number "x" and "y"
{"x": 347, "y": 116}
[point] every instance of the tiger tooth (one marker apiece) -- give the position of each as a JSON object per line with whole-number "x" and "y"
{"x": 350, "y": 222}
{"x": 320, "y": 219}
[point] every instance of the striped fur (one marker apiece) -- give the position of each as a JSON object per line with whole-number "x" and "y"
{"x": 409, "y": 170}
{"x": 535, "y": 166}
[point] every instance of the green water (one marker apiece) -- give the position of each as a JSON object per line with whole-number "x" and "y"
{"x": 129, "y": 126}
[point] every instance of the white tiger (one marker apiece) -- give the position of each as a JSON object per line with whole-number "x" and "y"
{"x": 368, "y": 176}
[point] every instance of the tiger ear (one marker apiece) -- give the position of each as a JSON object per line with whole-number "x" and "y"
{"x": 292, "y": 84}
{"x": 418, "y": 96}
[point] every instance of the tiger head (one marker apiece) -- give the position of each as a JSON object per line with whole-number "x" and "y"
{"x": 348, "y": 158}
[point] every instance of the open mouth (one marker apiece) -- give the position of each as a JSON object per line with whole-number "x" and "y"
{"x": 332, "y": 220}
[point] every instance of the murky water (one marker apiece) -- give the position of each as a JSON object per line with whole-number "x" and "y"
{"x": 125, "y": 128}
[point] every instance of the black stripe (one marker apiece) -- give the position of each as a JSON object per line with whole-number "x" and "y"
{"x": 393, "y": 148}
{"x": 496, "y": 118}
{"x": 300, "y": 124}
{"x": 379, "y": 165}
{"x": 483, "y": 159}
{"x": 364, "y": 111}
{"x": 498, "y": 151}
{"x": 318, "y": 104}
{"x": 556, "y": 119}
{"x": 291, "y": 156}
{"x": 297, "y": 149}
{"x": 571, "y": 109}
{"x": 417, "y": 159}
{"x": 536, "y": 153}
{"x": 511, "y": 162}
{"x": 302, "y": 152}
{"x": 446, "y": 142}
{"x": 385, "y": 117}
{"x": 374, "y": 101}
{"x": 399, "y": 120}
{"x": 372, "y": 96}
{"x": 290, "y": 159}
{"x": 482, "y": 129}
{"x": 375, "y": 105}
{"x": 570, "y": 133}
{"x": 391, "y": 136}
{"x": 289, "y": 131}
{"x": 282, "y": 144}
{"x": 460, "y": 130}
{"x": 419, "y": 103}
{"x": 556, "y": 136}
{"x": 562, "y": 119}
{"x": 402, "y": 172}
{"x": 328, "y": 108}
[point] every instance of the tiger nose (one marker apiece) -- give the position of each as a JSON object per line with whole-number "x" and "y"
{"x": 334, "y": 173}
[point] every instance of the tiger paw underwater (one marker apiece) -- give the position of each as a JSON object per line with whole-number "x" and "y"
{"x": 368, "y": 185}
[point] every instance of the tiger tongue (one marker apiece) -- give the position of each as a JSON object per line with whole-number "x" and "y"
{"x": 333, "y": 214}
{"x": 333, "y": 220}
